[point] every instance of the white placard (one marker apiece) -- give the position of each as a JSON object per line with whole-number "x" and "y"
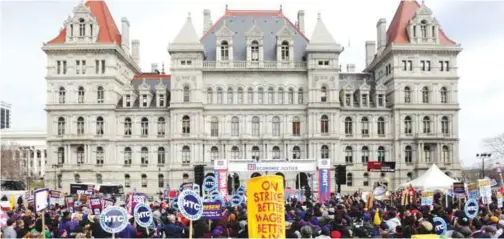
{"x": 41, "y": 199}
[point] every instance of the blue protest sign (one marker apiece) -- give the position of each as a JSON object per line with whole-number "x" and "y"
{"x": 236, "y": 200}
{"x": 143, "y": 215}
{"x": 185, "y": 186}
{"x": 471, "y": 208}
{"x": 440, "y": 226}
{"x": 175, "y": 204}
{"x": 196, "y": 188}
{"x": 215, "y": 193}
{"x": 218, "y": 198}
{"x": 190, "y": 205}
{"x": 241, "y": 191}
{"x": 114, "y": 219}
{"x": 209, "y": 183}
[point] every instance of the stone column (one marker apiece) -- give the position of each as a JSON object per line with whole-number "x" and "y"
{"x": 42, "y": 162}
{"x": 35, "y": 161}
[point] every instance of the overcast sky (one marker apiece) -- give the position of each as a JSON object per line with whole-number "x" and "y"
{"x": 477, "y": 25}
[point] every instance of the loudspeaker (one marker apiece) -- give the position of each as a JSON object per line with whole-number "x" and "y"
{"x": 199, "y": 175}
{"x": 340, "y": 174}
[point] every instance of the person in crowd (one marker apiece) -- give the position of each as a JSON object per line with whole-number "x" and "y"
{"x": 172, "y": 230}
{"x": 10, "y": 232}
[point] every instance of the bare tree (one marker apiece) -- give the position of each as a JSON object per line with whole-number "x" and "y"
{"x": 11, "y": 164}
{"x": 495, "y": 145}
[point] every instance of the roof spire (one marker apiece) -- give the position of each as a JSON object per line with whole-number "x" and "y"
{"x": 226, "y": 7}
{"x": 189, "y": 16}
{"x": 162, "y": 68}
{"x": 319, "y": 17}
{"x": 280, "y": 7}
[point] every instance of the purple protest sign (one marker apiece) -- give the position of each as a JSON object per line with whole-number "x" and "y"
{"x": 96, "y": 205}
{"x": 135, "y": 199}
{"x": 107, "y": 203}
{"x": 212, "y": 211}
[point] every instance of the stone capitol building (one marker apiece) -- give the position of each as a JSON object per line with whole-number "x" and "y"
{"x": 251, "y": 87}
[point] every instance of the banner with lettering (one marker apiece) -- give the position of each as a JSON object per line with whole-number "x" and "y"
{"x": 427, "y": 198}
{"x": 499, "y": 199}
{"x": 473, "y": 192}
{"x": 95, "y": 204}
{"x": 265, "y": 207}
{"x": 55, "y": 197}
{"x": 485, "y": 190}
{"x": 135, "y": 198}
{"x": 107, "y": 203}
{"x": 69, "y": 201}
{"x": 212, "y": 211}
{"x": 222, "y": 180}
{"x": 324, "y": 180}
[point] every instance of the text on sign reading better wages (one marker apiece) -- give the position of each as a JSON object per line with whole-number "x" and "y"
{"x": 269, "y": 210}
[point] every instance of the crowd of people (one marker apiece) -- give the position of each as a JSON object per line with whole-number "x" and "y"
{"x": 348, "y": 216}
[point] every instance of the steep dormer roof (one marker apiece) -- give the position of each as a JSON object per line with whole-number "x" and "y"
{"x": 109, "y": 33}
{"x": 254, "y": 31}
{"x": 186, "y": 39}
{"x": 284, "y": 31}
{"x": 364, "y": 86}
{"x": 322, "y": 40}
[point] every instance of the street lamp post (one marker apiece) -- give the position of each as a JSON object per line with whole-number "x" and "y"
{"x": 483, "y": 156}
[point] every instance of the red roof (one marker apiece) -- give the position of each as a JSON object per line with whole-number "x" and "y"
{"x": 151, "y": 76}
{"x": 277, "y": 13}
{"x": 109, "y": 33}
{"x": 397, "y": 31}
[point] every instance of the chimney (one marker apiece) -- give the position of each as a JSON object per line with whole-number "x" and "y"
{"x": 350, "y": 68}
{"x": 207, "y": 20}
{"x": 154, "y": 67}
{"x": 381, "y": 30}
{"x": 370, "y": 52}
{"x": 300, "y": 20}
{"x": 125, "y": 34}
{"x": 135, "y": 51}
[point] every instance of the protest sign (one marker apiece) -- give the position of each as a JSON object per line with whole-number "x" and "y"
{"x": 324, "y": 180}
{"x": 41, "y": 199}
{"x": 114, "y": 219}
{"x": 471, "y": 208}
{"x": 212, "y": 211}
{"x": 95, "y": 204}
{"x": 190, "y": 205}
{"x": 458, "y": 188}
{"x": 236, "y": 200}
{"x": 485, "y": 190}
{"x": 440, "y": 226}
{"x": 209, "y": 183}
{"x": 265, "y": 206}
{"x": 143, "y": 215}
{"x": 427, "y": 198}
{"x": 107, "y": 203}
{"x": 55, "y": 197}
{"x": 473, "y": 192}
{"x": 499, "y": 200}
{"x": 135, "y": 198}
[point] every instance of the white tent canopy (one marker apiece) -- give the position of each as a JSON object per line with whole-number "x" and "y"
{"x": 432, "y": 179}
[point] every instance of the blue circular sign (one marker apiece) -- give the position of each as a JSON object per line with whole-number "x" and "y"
{"x": 190, "y": 205}
{"x": 175, "y": 204}
{"x": 209, "y": 183}
{"x": 440, "y": 226}
{"x": 241, "y": 191}
{"x": 114, "y": 219}
{"x": 143, "y": 215}
{"x": 236, "y": 200}
{"x": 215, "y": 193}
{"x": 218, "y": 198}
{"x": 471, "y": 208}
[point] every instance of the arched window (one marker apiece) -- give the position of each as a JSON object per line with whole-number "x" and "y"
{"x": 186, "y": 154}
{"x": 255, "y": 126}
{"x": 324, "y": 124}
{"x": 235, "y": 126}
{"x": 80, "y": 155}
{"x": 276, "y": 126}
{"x": 365, "y": 154}
{"x": 260, "y": 96}
{"x": 61, "y": 126}
{"x": 323, "y": 94}
{"x": 271, "y": 95}
{"x": 144, "y": 181}
{"x": 99, "y": 125}
{"x": 255, "y": 153}
{"x": 185, "y": 176}
{"x": 82, "y": 28}
{"x": 296, "y": 126}
{"x": 254, "y": 50}
{"x": 186, "y": 125}
{"x": 407, "y": 95}
{"x": 230, "y": 95}
{"x": 240, "y": 95}
{"x": 425, "y": 95}
{"x": 281, "y": 96}
{"x": 300, "y": 96}
{"x": 127, "y": 126}
{"x": 209, "y": 96}
{"x": 364, "y": 126}
{"x": 224, "y": 51}
{"x": 410, "y": 176}
{"x": 381, "y": 127}
{"x": 99, "y": 155}
{"x": 324, "y": 152}
{"x": 160, "y": 181}
{"x": 61, "y": 155}
{"x": 296, "y": 152}
{"x": 444, "y": 95}
{"x": 250, "y": 96}
{"x": 214, "y": 153}
{"x": 219, "y": 95}
{"x": 426, "y": 125}
{"x": 423, "y": 29}
{"x": 381, "y": 154}
{"x": 365, "y": 182}
{"x": 144, "y": 156}
{"x": 80, "y": 126}
{"x": 427, "y": 154}
{"x": 127, "y": 156}
{"x": 99, "y": 178}
{"x": 80, "y": 95}
{"x": 161, "y": 156}
{"x": 235, "y": 152}
{"x": 446, "y": 154}
{"x": 348, "y": 155}
{"x": 276, "y": 152}
{"x": 408, "y": 126}
{"x": 186, "y": 94}
{"x": 145, "y": 126}
{"x": 161, "y": 126}
{"x": 62, "y": 95}
{"x": 290, "y": 96}
{"x": 127, "y": 181}
{"x": 348, "y": 126}
{"x": 349, "y": 179}
{"x": 285, "y": 51}
{"x": 445, "y": 125}
{"x": 77, "y": 178}
{"x": 100, "y": 95}
{"x": 214, "y": 127}
{"x": 408, "y": 154}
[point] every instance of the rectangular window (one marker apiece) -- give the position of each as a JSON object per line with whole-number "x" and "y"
{"x": 410, "y": 65}
{"x": 296, "y": 128}
{"x": 380, "y": 100}
{"x": 77, "y": 67}
{"x": 58, "y": 67}
{"x": 428, "y": 65}
{"x": 183, "y": 62}
{"x": 441, "y": 64}
{"x": 97, "y": 67}
{"x": 320, "y": 63}
{"x": 404, "y": 65}
{"x": 364, "y": 101}
{"x": 326, "y": 63}
{"x": 144, "y": 100}
{"x": 447, "y": 65}
{"x": 348, "y": 99}
{"x": 64, "y": 67}
{"x": 128, "y": 101}
{"x": 103, "y": 67}
{"x": 422, "y": 63}
{"x": 161, "y": 100}
{"x": 189, "y": 63}
{"x": 83, "y": 67}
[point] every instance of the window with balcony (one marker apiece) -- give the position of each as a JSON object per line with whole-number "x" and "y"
{"x": 214, "y": 153}
{"x": 186, "y": 125}
{"x": 381, "y": 100}
{"x": 127, "y": 126}
{"x": 408, "y": 126}
{"x": 381, "y": 154}
{"x": 255, "y": 126}
{"x": 444, "y": 95}
{"x": 364, "y": 127}
{"x": 161, "y": 156}
{"x": 348, "y": 100}
{"x": 62, "y": 95}
{"x": 161, "y": 124}
{"x": 364, "y": 100}
{"x": 80, "y": 95}
{"x": 324, "y": 124}
{"x": 128, "y": 100}
{"x": 144, "y": 156}
{"x": 365, "y": 154}
{"x": 285, "y": 51}
{"x": 255, "y": 153}
{"x": 128, "y": 155}
{"x": 145, "y": 126}
{"x": 214, "y": 127}
{"x": 235, "y": 126}
{"x": 61, "y": 155}
{"x": 254, "y": 50}
{"x": 296, "y": 152}
{"x": 348, "y": 127}
{"x": 235, "y": 152}
{"x": 381, "y": 127}
{"x": 425, "y": 95}
{"x": 348, "y": 155}
{"x": 224, "y": 51}
{"x": 99, "y": 125}
{"x": 80, "y": 126}
{"x": 186, "y": 154}
{"x": 144, "y": 101}
{"x": 61, "y": 126}
{"x": 324, "y": 152}
{"x": 99, "y": 155}
{"x": 445, "y": 125}
{"x": 408, "y": 154}
{"x": 100, "y": 93}
{"x": 426, "y": 125}
{"x": 296, "y": 127}
{"x": 80, "y": 155}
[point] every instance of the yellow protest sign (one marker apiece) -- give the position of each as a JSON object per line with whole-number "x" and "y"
{"x": 265, "y": 207}
{"x": 472, "y": 186}
{"x": 484, "y": 183}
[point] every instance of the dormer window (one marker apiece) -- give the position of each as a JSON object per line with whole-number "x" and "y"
{"x": 144, "y": 100}
{"x": 323, "y": 91}
{"x": 254, "y": 49}
{"x": 161, "y": 100}
{"x": 285, "y": 51}
{"x": 224, "y": 51}
{"x": 82, "y": 28}
{"x": 348, "y": 99}
{"x": 128, "y": 101}
{"x": 423, "y": 29}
